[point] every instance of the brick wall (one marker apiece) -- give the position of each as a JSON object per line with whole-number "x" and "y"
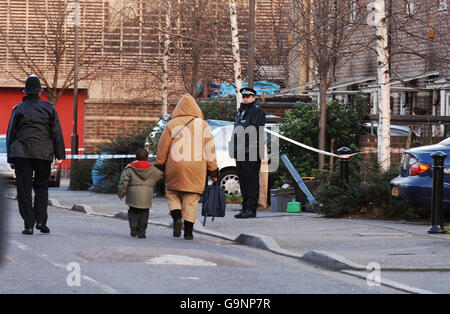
{"x": 104, "y": 121}
{"x": 107, "y": 120}
{"x": 368, "y": 143}
{"x": 277, "y": 110}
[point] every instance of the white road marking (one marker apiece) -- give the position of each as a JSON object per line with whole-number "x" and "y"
{"x": 179, "y": 260}
{"x": 45, "y": 257}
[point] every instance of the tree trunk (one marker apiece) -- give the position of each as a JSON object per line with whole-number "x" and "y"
{"x": 322, "y": 118}
{"x": 251, "y": 43}
{"x": 384, "y": 137}
{"x": 165, "y": 62}
{"x": 236, "y": 52}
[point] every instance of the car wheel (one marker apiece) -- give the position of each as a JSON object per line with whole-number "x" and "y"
{"x": 229, "y": 181}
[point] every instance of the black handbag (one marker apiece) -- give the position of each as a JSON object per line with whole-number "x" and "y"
{"x": 214, "y": 204}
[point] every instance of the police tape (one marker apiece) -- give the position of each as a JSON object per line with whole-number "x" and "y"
{"x": 105, "y": 156}
{"x": 309, "y": 147}
{"x": 374, "y": 151}
{"x": 129, "y": 156}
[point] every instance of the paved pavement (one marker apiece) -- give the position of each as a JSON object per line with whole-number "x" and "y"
{"x": 348, "y": 245}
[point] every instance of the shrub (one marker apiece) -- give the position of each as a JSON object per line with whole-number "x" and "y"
{"x": 218, "y": 109}
{"x": 80, "y": 175}
{"x": 112, "y": 168}
{"x": 367, "y": 194}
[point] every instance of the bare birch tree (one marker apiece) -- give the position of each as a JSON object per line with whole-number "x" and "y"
{"x": 323, "y": 29}
{"x": 165, "y": 60}
{"x": 412, "y": 30}
{"x": 236, "y": 51}
{"x": 377, "y": 18}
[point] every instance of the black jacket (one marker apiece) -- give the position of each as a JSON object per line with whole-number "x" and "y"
{"x": 248, "y": 115}
{"x": 34, "y": 131}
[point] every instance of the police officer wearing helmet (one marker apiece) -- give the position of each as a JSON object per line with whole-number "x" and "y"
{"x": 246, "y": 145}
{"x": 33, "y": 140}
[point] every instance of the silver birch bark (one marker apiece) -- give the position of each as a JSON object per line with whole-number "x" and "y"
{"x": 165, "y": 61}
{"x": 236, "y": 51}
{"x": 378, "y": 19}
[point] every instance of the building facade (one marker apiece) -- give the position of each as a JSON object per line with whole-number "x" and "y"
{"x": 419, "y": 48}
{"x": 120, "y": 50}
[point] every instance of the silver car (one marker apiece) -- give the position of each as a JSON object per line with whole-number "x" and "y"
{"x": 5, "y": 168}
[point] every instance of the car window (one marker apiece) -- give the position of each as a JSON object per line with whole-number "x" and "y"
{"x": 396, "y": 132}
{"x": 3, "y": 145}
{"x": 214, "y": 124}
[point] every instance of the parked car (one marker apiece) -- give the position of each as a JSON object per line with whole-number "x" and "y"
{"x": 396, "y": 130}
{"x": 414, "y": 183}
{"x": 8, "y": 172}
{"x": 222, "y": 132}
{"x": 5, "y": 168}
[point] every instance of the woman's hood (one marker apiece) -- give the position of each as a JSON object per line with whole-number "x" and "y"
{"x": 187, "y": 106}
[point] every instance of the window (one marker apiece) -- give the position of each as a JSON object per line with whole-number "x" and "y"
{"x": 409, "y": 7}
{"x": 442, "y": 5}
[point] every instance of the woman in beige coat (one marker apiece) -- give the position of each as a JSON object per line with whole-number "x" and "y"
{"x": 187, "y": 152}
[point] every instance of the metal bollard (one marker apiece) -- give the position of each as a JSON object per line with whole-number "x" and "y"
{"x": 437, "y": 223}
{"x": 343, "y": 166}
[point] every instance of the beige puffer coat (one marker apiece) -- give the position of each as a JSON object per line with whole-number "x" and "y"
{"x": 191, "y": 155}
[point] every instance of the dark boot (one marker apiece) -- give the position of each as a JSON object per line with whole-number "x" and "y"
{"x": 143, "y": 222}
{"x": 239, "y": 215}
{"x": 176, "y": 216}
{"x": 134, "y": 222}
{"x": 248, "y": 214}
{"x": 133, "y": 232}
{"x": 43, "y": 228}
{"x": 188, "y": 227}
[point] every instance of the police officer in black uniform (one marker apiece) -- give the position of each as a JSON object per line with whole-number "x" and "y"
{"x": 247, "y": 143}
{"x": 34, "y": 139}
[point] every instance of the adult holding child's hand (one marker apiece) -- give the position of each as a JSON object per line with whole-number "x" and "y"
{"x": 187, "y": 152}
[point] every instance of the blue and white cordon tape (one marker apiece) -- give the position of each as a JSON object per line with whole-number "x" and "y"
{"x": 104, "y": 156}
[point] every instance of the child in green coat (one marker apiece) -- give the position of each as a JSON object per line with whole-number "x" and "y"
{"x": 136, "y": 183}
